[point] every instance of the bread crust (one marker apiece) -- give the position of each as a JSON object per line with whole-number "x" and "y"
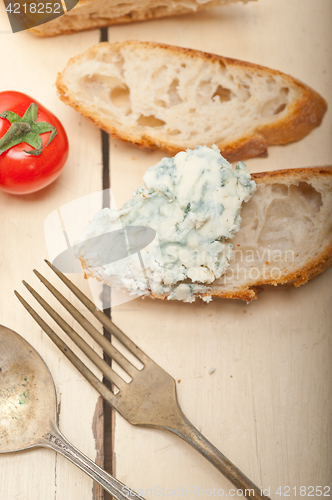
{"x": 86, "y": 23}
{"x": 304, "y": 114}
{"x": 317, "y": 264}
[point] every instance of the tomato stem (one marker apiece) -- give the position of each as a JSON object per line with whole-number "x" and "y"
{"x": 26, "y": 129}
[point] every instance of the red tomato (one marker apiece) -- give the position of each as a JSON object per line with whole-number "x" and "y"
{"x": 20, "y": 172}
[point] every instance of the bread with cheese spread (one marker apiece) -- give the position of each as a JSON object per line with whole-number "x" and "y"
{"x": 162, "y": 96}
{"x": 285, "y": 237}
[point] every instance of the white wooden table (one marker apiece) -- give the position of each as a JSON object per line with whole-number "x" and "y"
{"x": 267, "y": 406}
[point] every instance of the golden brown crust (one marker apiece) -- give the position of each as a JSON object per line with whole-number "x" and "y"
{"x": 317, "y": 264}
{"x": 304, "y": 114}
{"x": 311, "y": 270}
{"x": 51, "y": 28}
{"x": 292, "y": 175}
{"x": 247, "y": 294}
{"x": 42, "y": 32}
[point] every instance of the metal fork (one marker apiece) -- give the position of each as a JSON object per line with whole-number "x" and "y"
{"x": 150, "y": 398}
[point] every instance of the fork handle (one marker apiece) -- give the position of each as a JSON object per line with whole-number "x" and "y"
{"x": 55, "y": 440}
{"x": 195, "y": 438}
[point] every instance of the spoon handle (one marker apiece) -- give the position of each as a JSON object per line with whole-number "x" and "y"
{"x": 55, "y": 440}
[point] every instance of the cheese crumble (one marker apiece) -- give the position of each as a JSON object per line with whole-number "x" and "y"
{"x": 193, "y": 202}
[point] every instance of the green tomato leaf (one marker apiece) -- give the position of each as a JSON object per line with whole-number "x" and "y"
{"x": 15, "y": 135}
{"x": 11, "y": 116}
{"x": 10, "y": 144}
{"x": 35, "y": 141}
{"x": 42, "y": 127}
{"x": 53, "y": 134}
{"x": 26, "y": 129}
{"x": 31, "y": 114}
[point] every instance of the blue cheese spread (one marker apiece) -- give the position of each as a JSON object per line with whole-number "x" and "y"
{"x": 193, "y": 202}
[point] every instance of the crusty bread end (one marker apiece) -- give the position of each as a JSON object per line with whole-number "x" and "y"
{"x": 92, "y": 14}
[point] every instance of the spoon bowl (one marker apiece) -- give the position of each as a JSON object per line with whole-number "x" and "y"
{"x": 27, "y": 394}
{"x": 28, "y": 410}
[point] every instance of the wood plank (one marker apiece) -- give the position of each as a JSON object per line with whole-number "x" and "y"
{"x": 267, "y": 405}
{"x": 31, "y": 65}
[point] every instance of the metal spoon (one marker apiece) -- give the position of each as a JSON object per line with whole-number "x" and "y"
{"x": 28, "y": 410}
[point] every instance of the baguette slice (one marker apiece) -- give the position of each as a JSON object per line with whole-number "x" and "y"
{"x": 162, "y": 96}
{"x": 91, "y": 14}
{"x": 285, "y": 236}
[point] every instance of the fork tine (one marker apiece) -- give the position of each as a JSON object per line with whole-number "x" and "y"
{"x": 105, "y": 320}
{"x": 97, "y": 336}
{"x": 99, "y": 386}
{"x": 88, "y": 351}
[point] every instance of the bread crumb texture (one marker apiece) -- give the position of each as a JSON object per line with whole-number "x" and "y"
{"x": 161, "y": 96}
{"x": 285, "y": 234}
